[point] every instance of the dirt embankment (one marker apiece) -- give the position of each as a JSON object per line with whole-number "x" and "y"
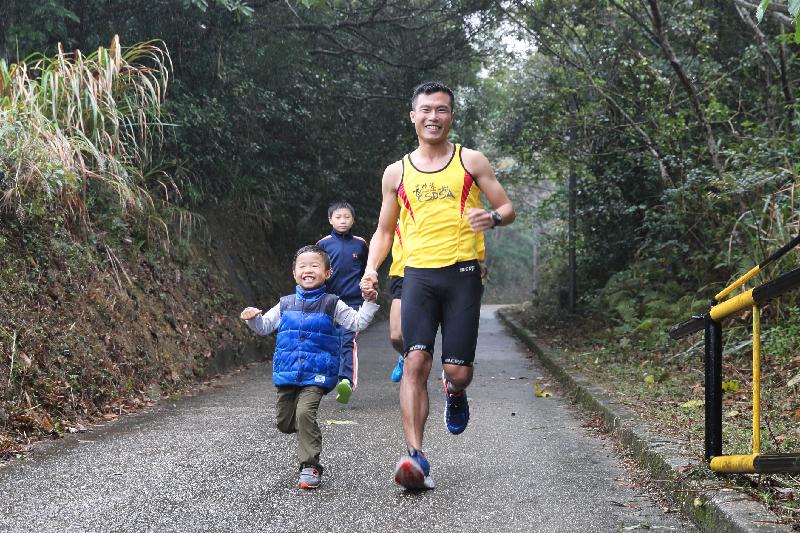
{"x": 92, "y": 328}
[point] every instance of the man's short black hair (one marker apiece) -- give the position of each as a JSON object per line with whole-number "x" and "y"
{"x": 314, "y": 249}
{"x": 430, "y": 87}
{"x": 341, "y": 205}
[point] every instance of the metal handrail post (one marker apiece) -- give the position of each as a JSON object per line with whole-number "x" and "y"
{"x": 713, "y": 388}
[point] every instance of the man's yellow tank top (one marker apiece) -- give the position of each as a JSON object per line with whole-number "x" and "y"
{"x": 433, "y": 214}
{"x": 398, "y": 256}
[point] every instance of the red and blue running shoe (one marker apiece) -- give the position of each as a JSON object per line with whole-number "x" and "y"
{"x": 456, "y": 409}
{"x": 413, "y": 472}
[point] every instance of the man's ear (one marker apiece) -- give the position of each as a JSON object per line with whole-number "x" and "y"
{"x": 411, "y": 115}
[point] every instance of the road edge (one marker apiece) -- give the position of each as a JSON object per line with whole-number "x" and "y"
{"x": 710, "y": 509}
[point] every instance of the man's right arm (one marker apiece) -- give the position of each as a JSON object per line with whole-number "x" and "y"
{"x": 381, "y": 241}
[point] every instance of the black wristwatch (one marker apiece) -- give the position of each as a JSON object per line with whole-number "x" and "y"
{"x": 496, "y": 218}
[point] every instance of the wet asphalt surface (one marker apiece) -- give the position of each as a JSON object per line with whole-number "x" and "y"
{"x": 215, "y": 462}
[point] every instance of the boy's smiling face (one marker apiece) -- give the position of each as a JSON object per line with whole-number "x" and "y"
{"x": 309, "y": 271}
{"x": 342, "y": 220}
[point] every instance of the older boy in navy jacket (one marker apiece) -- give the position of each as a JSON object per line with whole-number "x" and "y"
{"x": 348, "y": 254}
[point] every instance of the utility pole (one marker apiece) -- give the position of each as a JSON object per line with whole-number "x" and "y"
{"x": 571, "y": 189}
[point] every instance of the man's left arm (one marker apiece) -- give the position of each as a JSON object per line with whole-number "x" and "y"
{"x": 481, "y": 171}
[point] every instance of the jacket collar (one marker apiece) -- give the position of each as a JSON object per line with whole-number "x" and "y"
{"x": 313, "y": 294}
{"x": 346, "y": 236}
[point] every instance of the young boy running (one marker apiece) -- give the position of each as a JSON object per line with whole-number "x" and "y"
{"x": 348, "y": 255}
{"x": 306, "y": 361}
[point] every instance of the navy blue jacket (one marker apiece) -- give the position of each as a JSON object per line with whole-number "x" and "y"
{"x": 349, "y": 260}
{"x": 307, "y": 348}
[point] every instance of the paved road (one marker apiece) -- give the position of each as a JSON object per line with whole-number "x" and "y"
{"x": 215, "y": 462}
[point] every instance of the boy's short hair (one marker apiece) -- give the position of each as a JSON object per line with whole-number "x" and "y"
{"x": 341, "y": 205}
{"x": 430, "y": 87}
{"x": 314, "y": 249}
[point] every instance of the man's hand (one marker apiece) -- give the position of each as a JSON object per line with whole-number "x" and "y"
{"x": 369, "y": 288}
{"x": 370, "y": 276}
{"x": 250, "y": 313}
{"x": 479, "y": 219}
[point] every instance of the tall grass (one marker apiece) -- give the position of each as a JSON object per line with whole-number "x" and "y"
{"x": 763, "y": 228}
{"x": 78, "y": 128}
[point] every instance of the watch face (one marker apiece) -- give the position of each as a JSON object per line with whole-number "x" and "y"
{"x": 496, "y": 217}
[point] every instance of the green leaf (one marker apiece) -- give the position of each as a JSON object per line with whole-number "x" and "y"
{"x": 649, "y": 379}
{"x": 762, "y": 8}
{"x": 691, "y": 404}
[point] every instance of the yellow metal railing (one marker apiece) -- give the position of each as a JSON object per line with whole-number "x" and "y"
{"x": 754, "y": 462}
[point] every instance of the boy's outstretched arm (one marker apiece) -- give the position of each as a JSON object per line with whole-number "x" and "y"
{"x": 354, "y": 320}
{"x": 260, "y": 322}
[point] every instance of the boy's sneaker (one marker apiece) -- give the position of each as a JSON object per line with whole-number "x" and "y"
{"x": 456, "y": 409}
{"x": 414, "y": 472}
{"x": 397, "y": 373}
{"x": 310, "y": 477}
{"x": 343, "y": 391}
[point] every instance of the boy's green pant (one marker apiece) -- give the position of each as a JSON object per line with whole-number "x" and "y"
{"x": 297, "y": 413}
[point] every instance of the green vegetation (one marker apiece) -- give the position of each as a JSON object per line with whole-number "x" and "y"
{"x": 77, "y": 132}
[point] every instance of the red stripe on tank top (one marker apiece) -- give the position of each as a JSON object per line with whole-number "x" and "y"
{"x": 468, "y": 183}
{"x": 399, "y": 235}
{"x": 401, "y": 193}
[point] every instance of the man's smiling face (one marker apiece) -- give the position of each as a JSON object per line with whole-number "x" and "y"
{"x": 433, "y": 116}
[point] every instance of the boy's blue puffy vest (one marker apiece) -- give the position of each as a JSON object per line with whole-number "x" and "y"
{"x": 307, "y": 349}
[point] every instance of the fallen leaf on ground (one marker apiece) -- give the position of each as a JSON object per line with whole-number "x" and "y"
{"x": 692, "y": 404}
{"x": 341, "y": 422}
{"x": 730, "y": 385}
{"x": 540, "y": 393}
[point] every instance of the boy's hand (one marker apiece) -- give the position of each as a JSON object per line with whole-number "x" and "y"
{"x": 250, "y": 313}
{"x": 370, "y": 295}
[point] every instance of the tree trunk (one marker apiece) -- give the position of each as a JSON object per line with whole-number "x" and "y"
{"x": 663, "y": 42}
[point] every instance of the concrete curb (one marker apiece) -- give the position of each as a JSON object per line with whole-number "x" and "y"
{"x": 710, "y": 508}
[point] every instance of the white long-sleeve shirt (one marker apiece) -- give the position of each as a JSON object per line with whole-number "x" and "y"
{"x": 345, "y": 316}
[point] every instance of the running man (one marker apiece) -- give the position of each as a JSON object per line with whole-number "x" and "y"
{"x": 436, "y": 191}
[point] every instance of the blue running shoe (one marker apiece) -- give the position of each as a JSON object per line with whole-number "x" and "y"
{"x": 413, "y": 472}
{"x": 456, "y": 409}
{"x": 397, "y": 373}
